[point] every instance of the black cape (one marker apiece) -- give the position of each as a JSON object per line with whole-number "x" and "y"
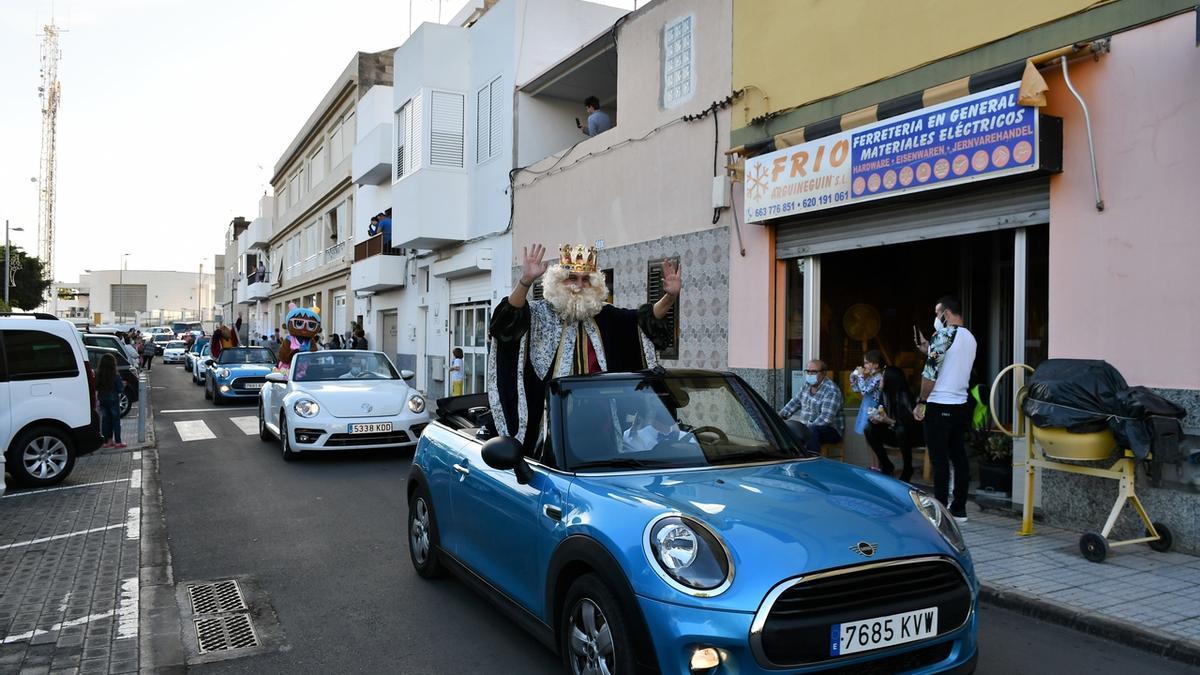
{"x": 525, "y": 355}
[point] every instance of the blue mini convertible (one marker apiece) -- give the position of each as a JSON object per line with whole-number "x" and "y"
{"x": 668, "y": 521}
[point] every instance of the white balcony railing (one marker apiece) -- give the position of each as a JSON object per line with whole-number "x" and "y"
{"x": 335, "y": 252}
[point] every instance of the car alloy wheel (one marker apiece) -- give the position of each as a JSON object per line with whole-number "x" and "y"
{"x": 285, "y": 440}
{"x": 590, "y": 639}
{"x": 594, "y": 631}
{"x": 45, "y": 458}
{"x": 263, "y": 432}
{"x": 418, "y": 532}
{"x": 422, "y": 535}
{"x": 125, "y": 404}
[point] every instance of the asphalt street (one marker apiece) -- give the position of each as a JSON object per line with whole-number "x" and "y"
{"x": 324, "y": 539}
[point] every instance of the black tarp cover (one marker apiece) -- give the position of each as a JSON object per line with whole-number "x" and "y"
{"x": 1086, "y": 395}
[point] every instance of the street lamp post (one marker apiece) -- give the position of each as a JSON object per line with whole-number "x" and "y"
{"x": 7, "y": 269}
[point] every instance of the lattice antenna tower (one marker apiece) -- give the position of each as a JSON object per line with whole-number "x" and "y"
{"x": 49, "y": 92}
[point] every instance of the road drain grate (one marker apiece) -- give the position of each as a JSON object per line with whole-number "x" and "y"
{"x": 222, "y": 596}
{"x": 221, "y": 634}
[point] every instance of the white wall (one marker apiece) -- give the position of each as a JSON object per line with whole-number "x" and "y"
{"x": 165, "y": 291}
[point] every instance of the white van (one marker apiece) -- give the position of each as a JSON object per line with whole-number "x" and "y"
{"x": 47, "y": 398}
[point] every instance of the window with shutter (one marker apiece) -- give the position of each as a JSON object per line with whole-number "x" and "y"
{"x": 654, "y": 291}
{"x": 495, "y": 131}
{"x": 489, "y": 113}
{"x": 677, "y": 61}
{"x": 483, "y": 117}
{"x": 408, "y": 138}
{"x": 446, "y": 129}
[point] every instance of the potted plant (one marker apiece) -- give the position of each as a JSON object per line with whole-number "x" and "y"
{"x": 994, "y": 449}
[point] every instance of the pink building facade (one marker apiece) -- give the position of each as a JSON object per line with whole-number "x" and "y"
{"x": 1042, "y": 272}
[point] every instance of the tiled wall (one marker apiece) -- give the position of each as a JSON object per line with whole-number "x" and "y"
{"x": 704, "y": 302}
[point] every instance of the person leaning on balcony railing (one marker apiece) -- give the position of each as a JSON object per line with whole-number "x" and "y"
{"x": 598, "y": 121}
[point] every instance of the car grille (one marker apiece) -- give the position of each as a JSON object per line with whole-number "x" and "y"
{"x": 898, "y": 663}
{"x": 797, "y": 625}
{"x": 395, "y": 437}
{"x": 240, "y": 383}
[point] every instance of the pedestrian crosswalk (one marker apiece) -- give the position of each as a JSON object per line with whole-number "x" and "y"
{"x": 204, "y": 430}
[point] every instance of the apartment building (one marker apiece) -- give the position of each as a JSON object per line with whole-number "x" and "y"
{"x": 306, "y": 231}
{"x": 452, "y": 143}
{"x": 654, "y": 186}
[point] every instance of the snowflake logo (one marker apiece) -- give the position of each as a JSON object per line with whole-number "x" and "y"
{"x": 757, "y": 181}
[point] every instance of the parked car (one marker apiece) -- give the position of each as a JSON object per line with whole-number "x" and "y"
{"x": 128, "y": 375}
{"x": 173, "y": 351}
{"x": 193, "y": 353}
{"x": 113, "y": 342}
{"x": 47, "y": 398}
{"x": 198, "y": 368}
{"x": 160, "y": 342}
{"x": 340, "y": 400}
{"x": 671, "y": 520}
{"x": 238, "y": 372}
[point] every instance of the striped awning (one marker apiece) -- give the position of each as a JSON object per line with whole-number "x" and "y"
{"x": 1033, "y": 90}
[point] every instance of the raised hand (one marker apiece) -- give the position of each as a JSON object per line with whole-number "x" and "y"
{"x": 672, "y": 281}
{"x": 532, "y": 265}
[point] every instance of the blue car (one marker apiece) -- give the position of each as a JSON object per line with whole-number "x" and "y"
{"x": 237, "y": 373}
{"x": 668, "y": 521}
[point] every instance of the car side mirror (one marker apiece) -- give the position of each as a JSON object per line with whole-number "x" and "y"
{"x": 277, "y": 378}
{"x": 407, "y": 374}
{"x": 209, "y": 362}
{"x": 799, "y": 432}
{"x": 505, "y": 453}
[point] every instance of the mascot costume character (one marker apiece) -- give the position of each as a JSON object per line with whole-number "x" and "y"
{"x": 303, "y": 326}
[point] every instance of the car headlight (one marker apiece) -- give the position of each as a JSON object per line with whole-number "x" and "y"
{"x": 939, "y": 517}
{"x": 416, "y": 403}
{"x": 306, "y": 407}
{"x": 224, "y": 373}
{"x": 689, "y": 556}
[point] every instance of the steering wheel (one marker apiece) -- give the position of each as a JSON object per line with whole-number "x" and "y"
{"x": 721, "y": 435}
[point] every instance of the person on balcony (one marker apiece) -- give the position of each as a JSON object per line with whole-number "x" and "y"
{"x": 262, "y": 272}
{"x": 598, "y": 121}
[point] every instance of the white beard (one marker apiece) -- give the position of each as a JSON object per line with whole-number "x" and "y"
{"x": 573, "y": 305}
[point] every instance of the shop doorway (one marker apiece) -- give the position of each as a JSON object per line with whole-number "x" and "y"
{"x": 469, "y": 333}
{"x": 872, "y": 298}
{"x": 388, "y": 330}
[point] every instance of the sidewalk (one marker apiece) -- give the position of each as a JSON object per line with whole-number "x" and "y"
{"x": 71, "y": 560}
{"x": 1136, "y": 596}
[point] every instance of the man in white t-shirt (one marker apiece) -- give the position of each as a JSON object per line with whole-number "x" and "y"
{"x": 942, "y": 404}
{"x": 656, "y": 425}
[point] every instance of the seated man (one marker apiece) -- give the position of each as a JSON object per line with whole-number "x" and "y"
{"x": 358, "y": 368}
{"x": 652, "y": 426}
{"x": 818, "y": 406}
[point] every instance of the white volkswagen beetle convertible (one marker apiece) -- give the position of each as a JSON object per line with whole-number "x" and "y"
{"x": 340, "y": 400}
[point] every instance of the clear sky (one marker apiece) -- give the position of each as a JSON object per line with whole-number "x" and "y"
{"x": 173, "y": 114}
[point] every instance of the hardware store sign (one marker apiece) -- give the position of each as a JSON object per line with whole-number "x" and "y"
{"x": 981, "y": 136}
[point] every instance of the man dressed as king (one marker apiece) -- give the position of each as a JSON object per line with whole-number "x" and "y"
{"x": 571, "y": 331}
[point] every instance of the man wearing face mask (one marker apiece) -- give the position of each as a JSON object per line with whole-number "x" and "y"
{"x": 818, "y": 406}
{"x": 942, "y": 403}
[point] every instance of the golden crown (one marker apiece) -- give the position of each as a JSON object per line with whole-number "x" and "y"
{"x": 577, "y": 258}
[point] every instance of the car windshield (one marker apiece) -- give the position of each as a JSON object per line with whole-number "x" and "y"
{"x": 667, "y": 422}
{"x": 176, "y": 344}
{"x": 161, "y": 338}
{"x": 342, "y": 365}
{"x": 235, "y": 355}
